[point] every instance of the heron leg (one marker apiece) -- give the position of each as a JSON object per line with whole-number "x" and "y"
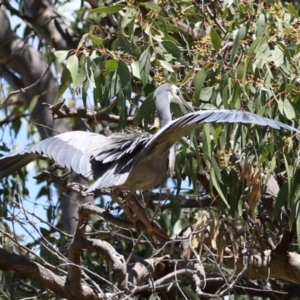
{"x": 115, "y": 197}
{"x": 151, "y": 227}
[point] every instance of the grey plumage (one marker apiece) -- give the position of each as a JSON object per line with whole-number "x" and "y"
{"x": 129, "y": 161}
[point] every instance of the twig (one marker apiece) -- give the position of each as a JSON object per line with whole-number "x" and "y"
{"x": 16, "y": 12}
{"x": 212, "y": 15}
{"x": 23, "y": 90}
{"x": 12, "y": 118}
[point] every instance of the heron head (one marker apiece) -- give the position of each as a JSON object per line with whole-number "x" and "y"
{"x": 172, "y": 93}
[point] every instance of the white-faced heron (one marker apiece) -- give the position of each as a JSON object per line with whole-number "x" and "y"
{"x": 135, "y": 161}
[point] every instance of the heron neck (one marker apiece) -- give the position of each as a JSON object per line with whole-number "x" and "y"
{"x": 163, "y": 113}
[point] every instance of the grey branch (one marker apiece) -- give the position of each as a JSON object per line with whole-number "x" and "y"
{"x": 23, "y": 90}
{"x": 23, "y": 266}
{"x": 61, "y": 111}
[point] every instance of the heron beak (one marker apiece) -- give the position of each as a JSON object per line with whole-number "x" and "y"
{"x": 186, "y": 105}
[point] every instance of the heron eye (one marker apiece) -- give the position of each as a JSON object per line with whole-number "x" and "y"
{"x": 178, "y": 93}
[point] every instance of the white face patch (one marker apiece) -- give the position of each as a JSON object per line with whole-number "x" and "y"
{"x": 174, "y": 95}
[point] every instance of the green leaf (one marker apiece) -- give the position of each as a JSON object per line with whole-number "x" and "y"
{"x": 175, "y": 209}
{"x": 108, "y": 10}
{"x": 61, "y": 55}
{"x": 236, "y": 44}
{"x": 97, "y": 41}
{"x": 90, "y": 68}
{"x": 215, "y": 38}
{"x": 172, "y": 48}
{"x": 256, "y": 44}
{"x": 145, "y": 112}
{"x": 188, "y": 292}
{"x": 66, "y": 80}
{"x": 111, "y": 64}
{"x": 278, "y": 56}
{"x": 82, "y": 40}
{"x": 290, "y": 87}
{"x": 280, "y": 200}
{"x": 215, "y": 182}
{"x": 151, "y": 6}
{"x": 261, "y": 25}
{"x": 145, "y": 65}
{"x": 206, "y": 141}
{"x": 288, "y": 109}
{"x": 122, "y": 110}
{"x": 166, "y": 65}
{"x": 236, "y": 94}
{"x": 73, "y": 66}
{"x": 290, "y": 7}
{"x": 124, "y": 74}
{"x": 288, "y": 175}
{"x": 128, "y": 17}
{"x": 206, "y": 93}
{"x": 135, "y": 69}
{"x": 199, "y": 81}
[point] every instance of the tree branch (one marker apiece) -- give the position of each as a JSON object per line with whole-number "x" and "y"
{"x": 61, "y": 111}
{"x": 24, "y": 89}
{"x": 22, "y": 266}
{"x": 79, "y": 243}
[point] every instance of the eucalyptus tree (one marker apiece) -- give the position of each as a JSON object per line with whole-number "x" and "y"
{"x": 231, "y": 209}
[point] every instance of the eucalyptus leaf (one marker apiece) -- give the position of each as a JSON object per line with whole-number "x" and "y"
{"x": 152, "y": 6}
{"x": 236, "y": 44}
{"x": 199, "y": 81}
{"x": 145, "y": 65}
{"x": 288, "y": 109}
{"x": 172, "y": 48}
{"x": 108, "y": 9}
{"x": 166, "y": 65}
{"x": 215, "y": 38}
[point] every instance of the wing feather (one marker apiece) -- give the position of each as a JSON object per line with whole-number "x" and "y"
{"x": 165, "y": 138}
{"x": 71, "y": 149}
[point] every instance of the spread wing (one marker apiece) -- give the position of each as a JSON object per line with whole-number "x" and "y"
{"x": 165, "y": 138}
{"x": 106, "y": 159}
{"x": 71, "y": 150}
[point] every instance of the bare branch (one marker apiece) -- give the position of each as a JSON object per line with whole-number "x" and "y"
{"x": 15, "y": 12}
{"x": 61, "y": 111}
{"x": 23, "y": 90}
{"x": 149, "y": 268}
{"x": 79, "y": 243}
{"x": 104, "y": 248}
{"x": 12, "y": 118}
{"x": 22, "y": 266}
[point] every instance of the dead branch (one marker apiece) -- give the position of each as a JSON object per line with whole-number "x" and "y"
{"x": 61, "y": 111}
